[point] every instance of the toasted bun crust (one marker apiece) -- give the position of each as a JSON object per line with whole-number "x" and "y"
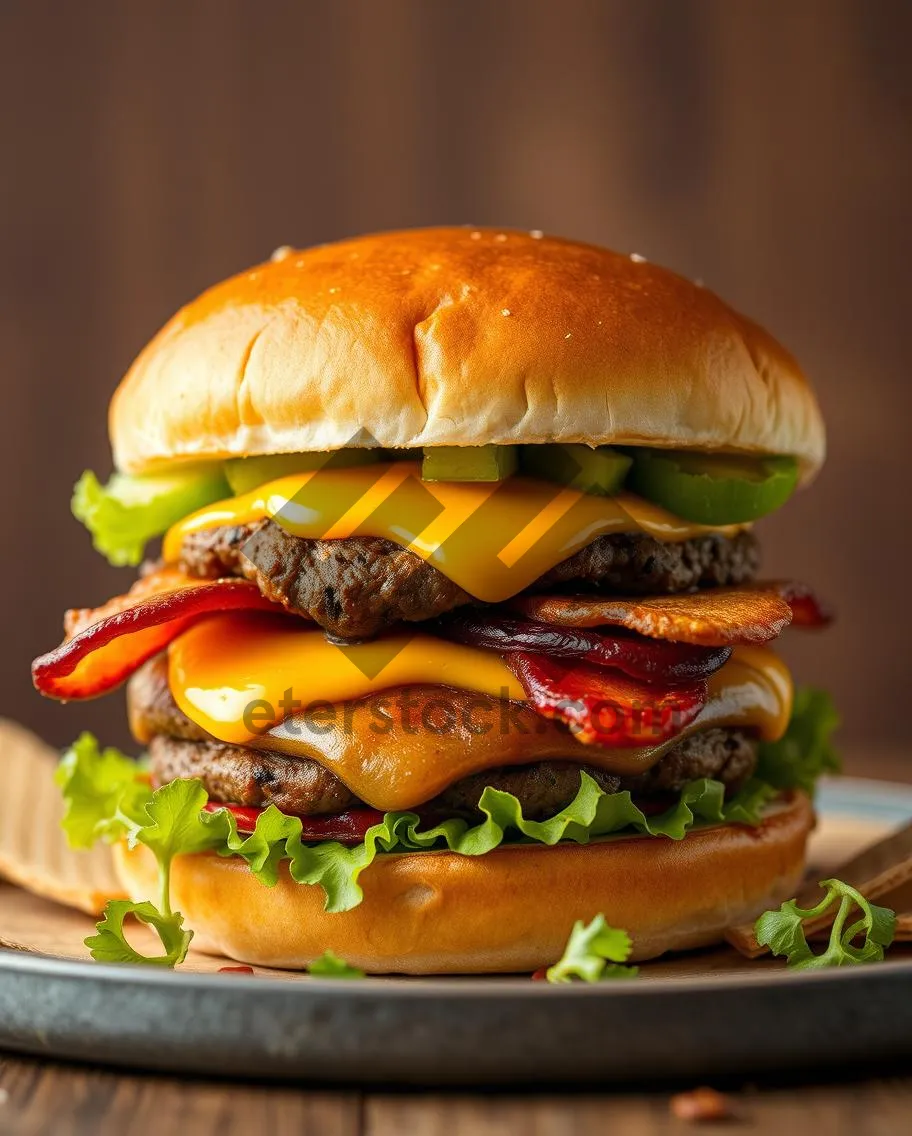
{"x": 459, "y": 337}
{"x": 508, "y": 911}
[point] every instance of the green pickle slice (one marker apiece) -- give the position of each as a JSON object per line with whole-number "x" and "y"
{"x": 468, "y": 463}
{"x": 245, "y": 474}
{"x": 713, "y": 489}
{"x": 600, "y": 472}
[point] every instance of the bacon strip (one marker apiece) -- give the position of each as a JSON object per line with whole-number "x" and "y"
{"x": 715, "y": 617}
{"x": 649, "y": 660}
{"x": 603, "y": 707}
{"x": 808, "y": 609}
{"x": 105, "y": 645}
{"x": 168, "y": 579}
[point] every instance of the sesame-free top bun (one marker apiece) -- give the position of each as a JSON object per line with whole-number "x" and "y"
{"x": 508, "y": 911}
{"x": 458, "y": 336}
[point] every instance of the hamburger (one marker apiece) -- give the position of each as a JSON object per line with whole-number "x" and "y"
{"x": 455, "y": 634}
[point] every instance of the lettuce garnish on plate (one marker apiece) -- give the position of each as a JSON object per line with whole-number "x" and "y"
{"x": 329, "y": 965}
{"x": 594, "y": 952}
{"x": 783, "y": 930}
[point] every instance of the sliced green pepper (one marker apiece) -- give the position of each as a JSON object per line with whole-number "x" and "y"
{"x": 468, "y": 463}
{"x": 713, "y": 489}
{"x": 245, "y": 474}
{"x": 599, "y": 471}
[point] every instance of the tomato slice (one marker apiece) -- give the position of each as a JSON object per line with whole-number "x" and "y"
{"x": 347, "y": 828}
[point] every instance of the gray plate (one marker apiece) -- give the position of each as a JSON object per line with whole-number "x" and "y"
{"x": 396, "y": 1031}
{"x": 418, "y": 1032}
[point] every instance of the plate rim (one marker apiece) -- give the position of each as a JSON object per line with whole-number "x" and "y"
{"x": 34, "y": 963}
{"x": 872, "y": 798}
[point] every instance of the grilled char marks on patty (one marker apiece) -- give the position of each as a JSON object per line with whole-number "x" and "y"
{"x": 356, "y": 587}
{"x": 246, "y": 776}
{"x": 353, "y": 588}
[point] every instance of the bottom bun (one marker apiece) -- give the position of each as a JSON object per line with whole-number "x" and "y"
{"x": 508, "y": 911}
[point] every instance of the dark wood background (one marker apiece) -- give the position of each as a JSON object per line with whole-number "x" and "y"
{"x": 148, "y": 149}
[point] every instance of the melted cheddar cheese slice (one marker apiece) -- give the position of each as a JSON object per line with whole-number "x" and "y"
{"x": 238, "y": 675}
{"x": 493, "y": 539}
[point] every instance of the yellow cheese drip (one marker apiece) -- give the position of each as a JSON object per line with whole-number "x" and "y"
{"x": 493, "y": 539}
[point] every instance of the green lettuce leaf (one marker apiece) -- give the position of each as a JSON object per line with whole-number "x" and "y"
{"x": 128, "y": 512}
{"x": 805, "y": 751}
{"x": 102, "y": 792}
{"x": 107, "y": 798}
{"x": 594, "y": 953}
{"x": 329, "y": 965}
{"x": 109, "y": 944}
{"x": 783, "y": 931}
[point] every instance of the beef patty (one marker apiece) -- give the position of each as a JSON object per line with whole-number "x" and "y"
{"x": 257, "y": 777}
{"x": 244, "y": 776}
{"x": 356, "y": 587}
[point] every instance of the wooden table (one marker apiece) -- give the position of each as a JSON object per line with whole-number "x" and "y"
{"x": 38, "y": 1098}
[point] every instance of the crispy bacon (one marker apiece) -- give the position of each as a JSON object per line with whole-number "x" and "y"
{"x": 715, "y": 617}
{"x": 165, "y": 579}
{"x": 808, "y": 609}
{"x": 105, "y": 645}
{"x": 604, "y": 707}
{"x": 649, "y": 660}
